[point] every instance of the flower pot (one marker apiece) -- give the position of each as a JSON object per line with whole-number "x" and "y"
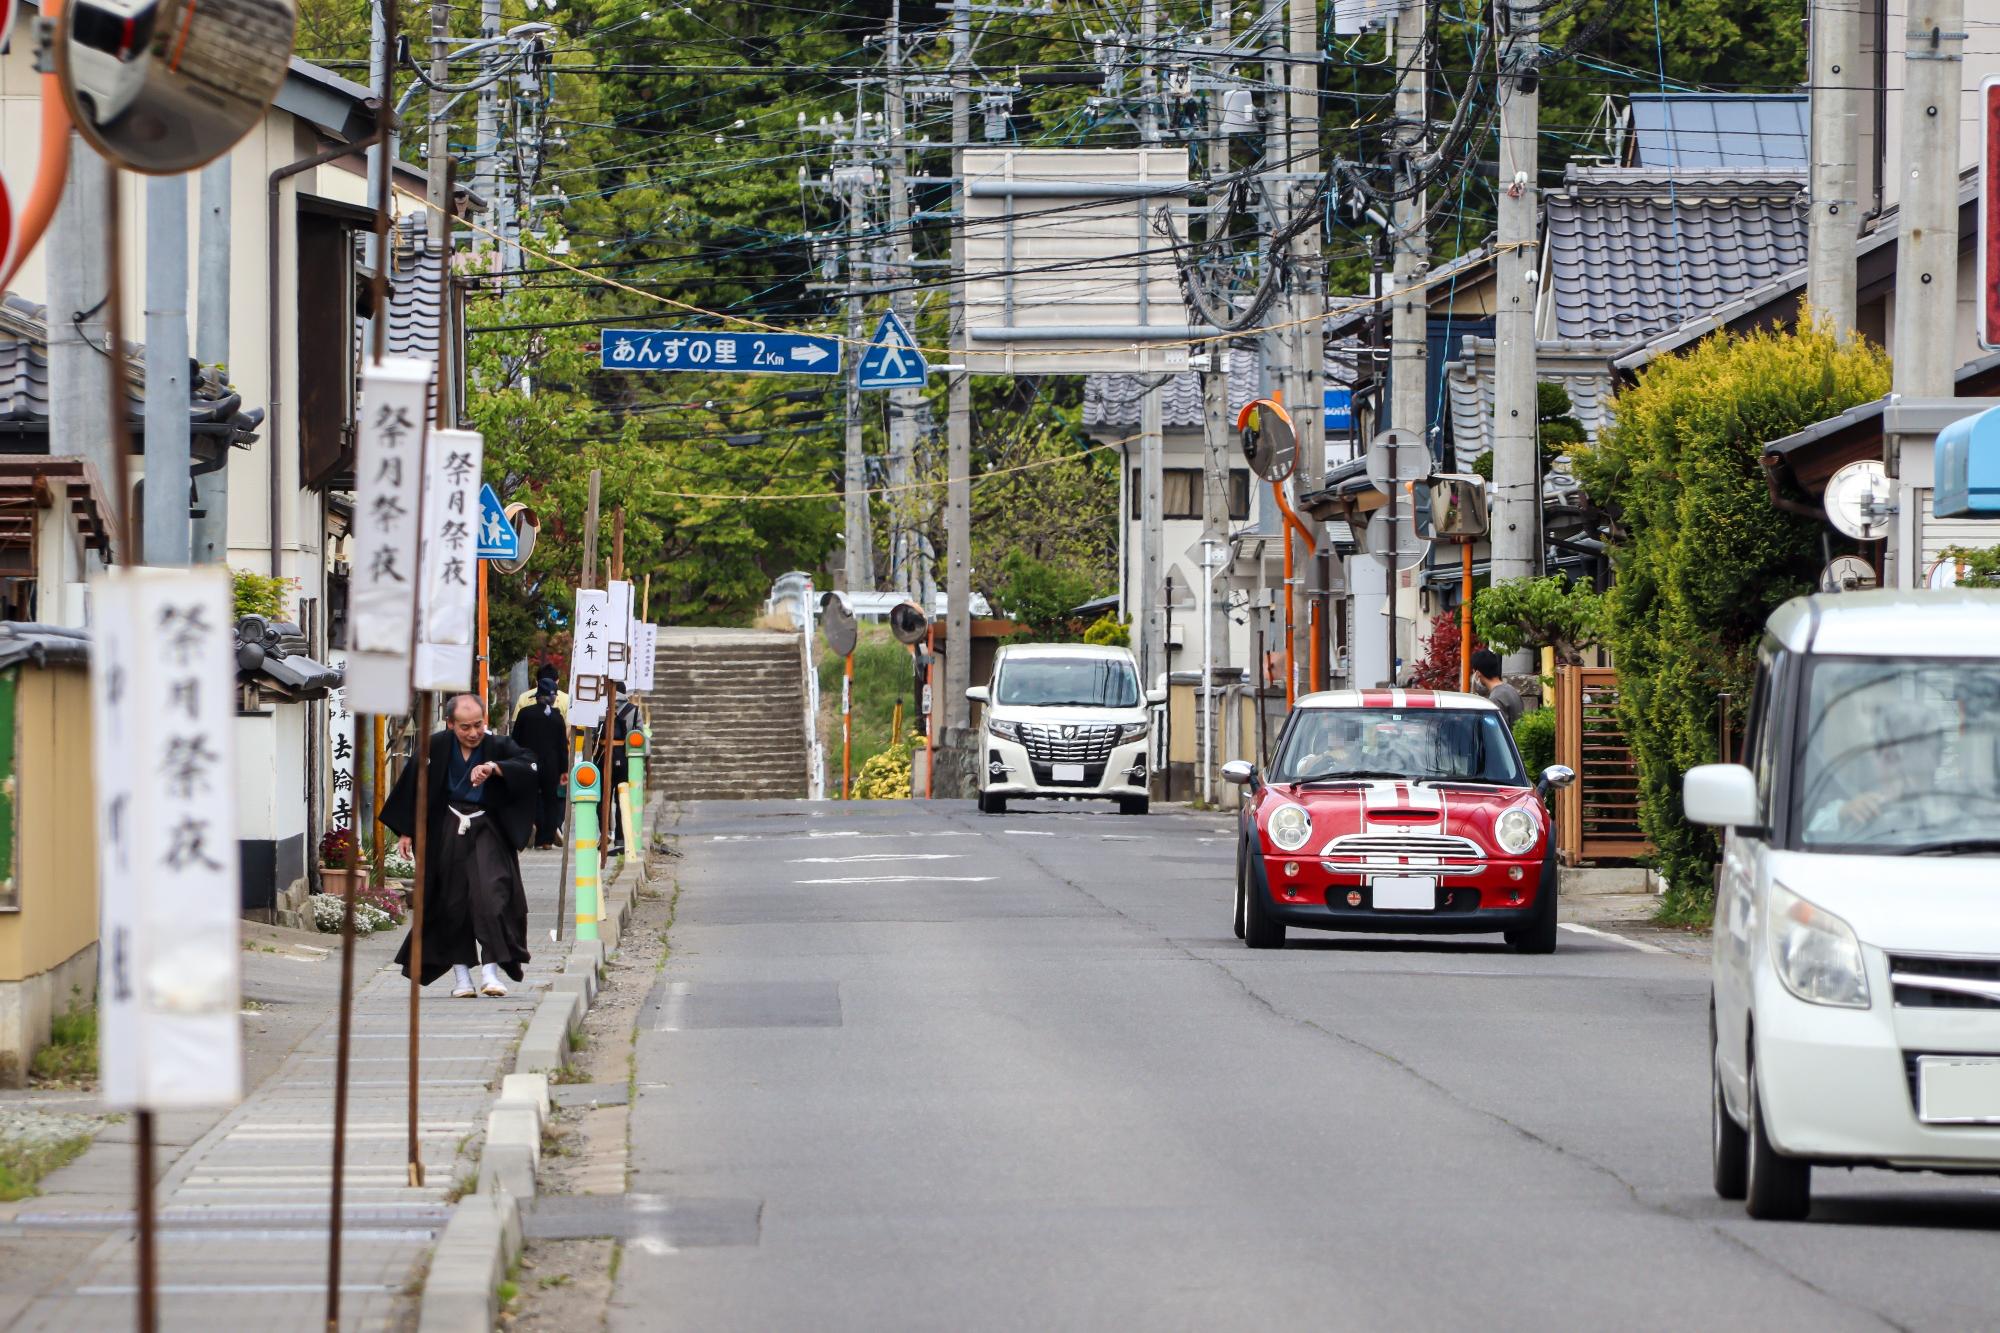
{"x": 333, "y": 879}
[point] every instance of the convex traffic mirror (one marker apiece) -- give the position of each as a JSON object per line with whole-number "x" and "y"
{"x": 165, "y": 86}
{"x": 1270, "y": 444}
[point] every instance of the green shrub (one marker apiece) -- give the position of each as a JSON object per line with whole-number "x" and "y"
{"x": 1108, "y": 630}
{"x": 886, "y": 776}
{"x": 1550, "y": 612}
{"x": 70, "y": 1058}
{"x": 1535, "y": 733}
{"x": 1040, "y": 595}
{"x": 260, "y": 595}
{"x": 1979, "y": 567}
{"x": 1700, "y": 554}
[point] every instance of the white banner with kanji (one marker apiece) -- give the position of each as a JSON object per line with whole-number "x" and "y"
{"x": 589, "y": 680}
{"x": 383, "y": 578}
{"x": 618, "y": 623}
{"x": 449, "y": 602}
{"x": 339, "y": 753}
{"x": 163, "y": 704}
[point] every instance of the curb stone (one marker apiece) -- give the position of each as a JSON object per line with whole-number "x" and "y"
{"x": 461, "y": 1293}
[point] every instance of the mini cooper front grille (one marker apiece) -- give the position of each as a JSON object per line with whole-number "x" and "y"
{"x": 1438, "y": 853}
{"x": 1069, "y": 743}
{"x": 1931, "y": 982}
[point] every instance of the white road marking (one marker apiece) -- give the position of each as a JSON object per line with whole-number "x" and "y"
{"x": 1640, "y": 945}
{"x": 873, "y": 856}
{"x": 1030, "y": 832}
{"x": 840, "y": 833}
{"x": 898, "y": 879}
{"x": 1121, "y": 837}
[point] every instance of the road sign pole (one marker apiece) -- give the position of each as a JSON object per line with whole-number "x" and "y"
{"x": 479, "y": 648}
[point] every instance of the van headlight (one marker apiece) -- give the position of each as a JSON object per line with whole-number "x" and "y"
{"x": 1815, "y": 952}
{"x": 1289, "y": 827}
{"x": 1132, "y": 731}
{"x": 1515, "y": 831}
{"x": 1006, "y": 731}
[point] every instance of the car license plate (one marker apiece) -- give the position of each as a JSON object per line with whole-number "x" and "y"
{"x": 1404, "y": 893}
{"x": 1958, "y": 1089}
{"x": 1067, "y": 773}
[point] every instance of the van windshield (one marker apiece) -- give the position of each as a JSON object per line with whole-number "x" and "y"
{"x": 1900, "y": 756}
{"x": 1079, "y": 682}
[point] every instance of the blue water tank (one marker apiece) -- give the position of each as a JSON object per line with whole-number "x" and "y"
{"x": 1967, "y": 468}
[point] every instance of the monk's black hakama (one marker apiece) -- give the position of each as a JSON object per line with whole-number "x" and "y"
{"x": 475, "y": 902}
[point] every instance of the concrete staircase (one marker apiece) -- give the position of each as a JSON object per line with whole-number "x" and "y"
{"x": 728, "y": 715}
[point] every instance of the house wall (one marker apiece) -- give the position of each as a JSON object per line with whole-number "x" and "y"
{"x": 1981, "y": 50}
{"x": 48, "y": 948}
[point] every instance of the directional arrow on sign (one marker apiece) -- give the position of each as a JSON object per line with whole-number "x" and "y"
{"x": 809, "y": 354}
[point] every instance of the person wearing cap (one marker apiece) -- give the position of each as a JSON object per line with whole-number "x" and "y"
{"x": 541, "y": 729}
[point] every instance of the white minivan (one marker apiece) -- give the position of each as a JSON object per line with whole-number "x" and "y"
{"x": 1855, "y": 1016}
{"x": 1066, "y": 720}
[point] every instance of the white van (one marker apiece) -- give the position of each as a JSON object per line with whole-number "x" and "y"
{"x": 1064, "y": 720}
{"x": 1855, "y": 1015}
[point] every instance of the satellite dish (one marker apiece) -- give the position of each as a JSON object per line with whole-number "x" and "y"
{"x": 836, "y": 622}
{"x": 1847, "y": 573}
{"x": 908, "y": 623}
{"x": 165, "y": 86}
{"x": 1270, "y": 443}
{"x": 1860, "y": 501}
{"x": 526, "y": 526}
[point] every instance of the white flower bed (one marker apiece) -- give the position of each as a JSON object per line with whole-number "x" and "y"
{"x": 327, "y": 910}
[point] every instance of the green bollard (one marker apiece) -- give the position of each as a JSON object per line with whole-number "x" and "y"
{"x": 584, "y": 782}
{"x": 635, "y": 795}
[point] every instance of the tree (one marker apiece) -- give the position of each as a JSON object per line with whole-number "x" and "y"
{"x": 1040, "y": 595}
{"x": 1550, "y": 612}
{"x": 1701, "y": 556}
{"x": 1437, "y": 668}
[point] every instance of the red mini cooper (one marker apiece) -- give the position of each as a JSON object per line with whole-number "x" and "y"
{"x": 1396, "y": 810}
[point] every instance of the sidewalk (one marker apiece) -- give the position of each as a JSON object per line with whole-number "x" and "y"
{"x": 243, "y": 1204}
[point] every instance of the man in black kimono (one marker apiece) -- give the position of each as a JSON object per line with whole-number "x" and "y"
{"x": 483, "y": 794}
{"x": 541, "y": 729}
{"x": 627, "y": 721}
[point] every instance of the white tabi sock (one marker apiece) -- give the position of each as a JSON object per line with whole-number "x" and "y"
{"x": 489, "y": 973}
{"x": 461, "y": 977}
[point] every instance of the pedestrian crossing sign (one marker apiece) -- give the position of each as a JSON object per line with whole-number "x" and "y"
{"x": 891, "y": 360}
{"x": 497, "y": 538}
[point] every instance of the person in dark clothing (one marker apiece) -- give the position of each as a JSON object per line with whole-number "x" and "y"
{"x": 1487, "y": 680}
{"x": 541, "y": 729}
{"x": 627, "y": 722}
{"x": 484, "y": 790}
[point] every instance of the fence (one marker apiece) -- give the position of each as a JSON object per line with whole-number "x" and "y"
{"x": 1597, "y": 816}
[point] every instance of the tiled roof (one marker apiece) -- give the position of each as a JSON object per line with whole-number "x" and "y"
{"x": 1113, "y": 399}
{"x": 1582, "y": 368}
{"x": 1634, "y": 252}
{"x": 413, "y": 290}
{"x": 1720, "y": 131}
{"x": 214, "y": 407}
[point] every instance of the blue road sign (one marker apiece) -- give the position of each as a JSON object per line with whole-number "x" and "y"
{"x": 1339, "y": 409}
{"x": 497, "y": 538}
{"x": 892, "y": 360}
{"x": 737, "y": 353}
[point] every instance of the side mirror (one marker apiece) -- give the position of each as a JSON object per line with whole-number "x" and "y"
{"x": 1156, "y": 696}
{"x": 978, "y": 694}
{"x": 1241, "y": 772}
{"x": 1558, "y": 776}
{"x": 1721, "y": 795}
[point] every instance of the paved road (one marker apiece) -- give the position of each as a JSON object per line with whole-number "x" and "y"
{"x": 913, "y": 1067}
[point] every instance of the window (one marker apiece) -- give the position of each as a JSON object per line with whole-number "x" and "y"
{"x": 1180, "y": 492}
{"x": 1067, "y": 683}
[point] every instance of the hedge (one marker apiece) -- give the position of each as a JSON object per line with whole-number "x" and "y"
{"x": 1700, "y": 555}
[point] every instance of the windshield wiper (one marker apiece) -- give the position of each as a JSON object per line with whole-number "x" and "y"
{"x": 1352, "y": 775}
{"x": 1951, "y": 847}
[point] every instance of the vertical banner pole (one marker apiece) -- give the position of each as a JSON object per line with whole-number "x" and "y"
{"x": 149, "y": 1292}
{"x": 1465, "y": 617}
{"x": 425, "y": 710}
{"x": 846, "y": 726}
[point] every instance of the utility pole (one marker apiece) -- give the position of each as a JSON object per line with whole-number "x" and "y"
{"x": 437, "y": 185}
{"x": 486, "y": 133}
{"x": 958, "y": 420}
{"x": 859, "y": 538}
{"x": 1834, "y": 224}
{"x": 1154, "y": 652}
{"x": 908, "y": 571}
{"x": 168, "y": 438}
{"x": 1927, "y": 245}
{"x": 1216, "y": 422}
{"x": 79, "y": 373}
{"x": 1307, "y": 304}
{"x": 1409, "y": 318}
{"x": 211, "y": 348}
{"x": 1517, "y": 480}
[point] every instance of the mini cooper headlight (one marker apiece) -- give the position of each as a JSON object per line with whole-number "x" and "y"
{"x": 1006, "y": 731}
{"x": 1289, "y": 827}
{"x": 1515, "y": 831}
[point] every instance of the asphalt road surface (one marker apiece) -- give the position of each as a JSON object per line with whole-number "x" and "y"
{"x": 913, "y": 1067}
